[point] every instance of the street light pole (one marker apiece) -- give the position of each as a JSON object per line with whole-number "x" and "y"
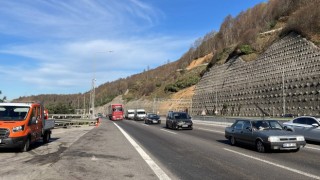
{"x": 93, "y": 96}
{"x": 94, "y": 84}
{"x": 284, "y": 99}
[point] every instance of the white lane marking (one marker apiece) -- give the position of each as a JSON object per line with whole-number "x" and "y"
{"x": 168, "y": 131}
{"x": 156, "y": 169}
{"x": 312, "y": 148}
{"x": 211, "y": 123}
{"x": 274, "y": 164}
{"x": 211, "y": 130}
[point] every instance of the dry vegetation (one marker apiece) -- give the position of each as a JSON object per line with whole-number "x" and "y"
{"x": 238, "y": 36}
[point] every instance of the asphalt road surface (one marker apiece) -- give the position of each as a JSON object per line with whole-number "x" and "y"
{"x": 204, "y": 153}
{"x": 133, "y": 150}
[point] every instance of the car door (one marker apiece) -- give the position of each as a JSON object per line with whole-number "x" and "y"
{"x": 246, "y": 133}
{"x": 299, "y": 125}
{"x": 237, "y": 131}
{"x": 169, "y": 120}
{"x": 312, "y": 132}
{"x": 33, "y": 124}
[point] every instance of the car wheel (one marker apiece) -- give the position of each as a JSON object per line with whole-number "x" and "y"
{"x": 26, "y": 146}
{"x": 46, "y": 137}
{"x": 167, "y": 126}
{"x": 232, "y": 140}
{"x": 260, "y": 147}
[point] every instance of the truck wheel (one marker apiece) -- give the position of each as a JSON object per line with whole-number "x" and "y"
{"x": 26, "y": 146}
{"x": 46, "y": 137}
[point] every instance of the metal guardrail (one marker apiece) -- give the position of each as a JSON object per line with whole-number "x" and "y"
{"x": 69, "y": 116}
{"x": 74, "y": 122}
{"x": 232, "y": 119}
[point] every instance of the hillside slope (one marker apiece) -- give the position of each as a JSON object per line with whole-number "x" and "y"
{"x": 241, "y": 36}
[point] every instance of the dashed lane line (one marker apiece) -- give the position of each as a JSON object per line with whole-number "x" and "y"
{"x": 211, "y": 130}
{"x": 275, "y": 164}
{"x": 211, "y": 124}
{"x": 309, "y": 147}
{"x": 156, "y": 169}
{"x": 168, "y": 131}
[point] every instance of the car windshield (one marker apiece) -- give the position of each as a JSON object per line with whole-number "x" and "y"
{"x": 180, "y": 116}
{"x": 152, "y": 115}
{"x": 141, "y": 112}
{"x": 262, "y": 124}
{"x": 13, "y": 113}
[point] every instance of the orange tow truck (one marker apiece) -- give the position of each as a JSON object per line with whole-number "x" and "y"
{"x": 22, "y": 124}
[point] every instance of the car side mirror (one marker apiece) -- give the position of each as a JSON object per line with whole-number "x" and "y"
{"x": 34, "y": 120}
{"x": 315, "y": 125}
{"x": 287, "y": 128}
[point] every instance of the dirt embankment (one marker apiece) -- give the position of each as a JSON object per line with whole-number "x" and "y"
{"x": 177, "y": 101}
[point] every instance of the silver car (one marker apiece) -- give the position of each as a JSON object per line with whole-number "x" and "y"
{"x": 264, "y": 135}
{"x": 307, "y": 126}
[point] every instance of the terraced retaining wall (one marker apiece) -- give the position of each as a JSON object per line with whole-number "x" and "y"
{"x": 283, "y": 80}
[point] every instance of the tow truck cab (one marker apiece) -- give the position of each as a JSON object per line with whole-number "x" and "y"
{"x": 22, "y": 124}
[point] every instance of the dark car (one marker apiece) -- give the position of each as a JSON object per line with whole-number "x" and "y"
{"x": 152, "y": 119}
{"x": 178, "y": 120}
{"x": 264, "y": 135}
{"x": 308, "y": 126}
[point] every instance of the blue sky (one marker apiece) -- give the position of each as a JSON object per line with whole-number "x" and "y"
{"x": 58, "y": 46}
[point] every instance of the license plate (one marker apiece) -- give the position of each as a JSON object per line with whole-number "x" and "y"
{"x": 289, "y": 145}
{"x": 184, "y": 125}
{"x": 155, "y": 121}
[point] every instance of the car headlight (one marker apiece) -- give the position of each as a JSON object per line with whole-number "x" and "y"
{"x": 273, "y": 139}
{"x": 18, "y": 129}
{"x": 300, "y": 138}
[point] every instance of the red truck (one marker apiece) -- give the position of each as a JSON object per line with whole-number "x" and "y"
{"x": 22, "y": 124}
{"x": 115, "y": 112}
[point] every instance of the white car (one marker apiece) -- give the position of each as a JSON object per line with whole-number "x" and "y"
{"x": 307, "y": 126}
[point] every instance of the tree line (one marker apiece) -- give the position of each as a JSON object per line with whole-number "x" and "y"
{"x": 237, "y": 35}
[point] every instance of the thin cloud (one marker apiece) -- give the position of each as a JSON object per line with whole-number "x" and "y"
{"x": 66, "y": 43}
{"x": 70, "y": 19}
{"x": 70, "y": 63}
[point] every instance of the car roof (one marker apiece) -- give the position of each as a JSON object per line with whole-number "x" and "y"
{"x": 314, "y": 117}
{"x": 179, "y": 112}
{"x": 256, "y": 120}
{"x": 16, "y": 104}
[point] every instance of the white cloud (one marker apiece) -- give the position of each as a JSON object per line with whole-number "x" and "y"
{"x": 76, "y": 19}
{"x": 72, "y": 64}
{"x": 59, "y": 44}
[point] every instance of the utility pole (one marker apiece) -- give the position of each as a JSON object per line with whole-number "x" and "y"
{"x": 284, "y": 98}
{"x": 92, "y": 95}
{"x": 84, "y": 103}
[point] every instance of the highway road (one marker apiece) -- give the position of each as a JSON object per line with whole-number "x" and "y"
{"x": 133, "y": 150}
{"x": 204, "y": 153}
